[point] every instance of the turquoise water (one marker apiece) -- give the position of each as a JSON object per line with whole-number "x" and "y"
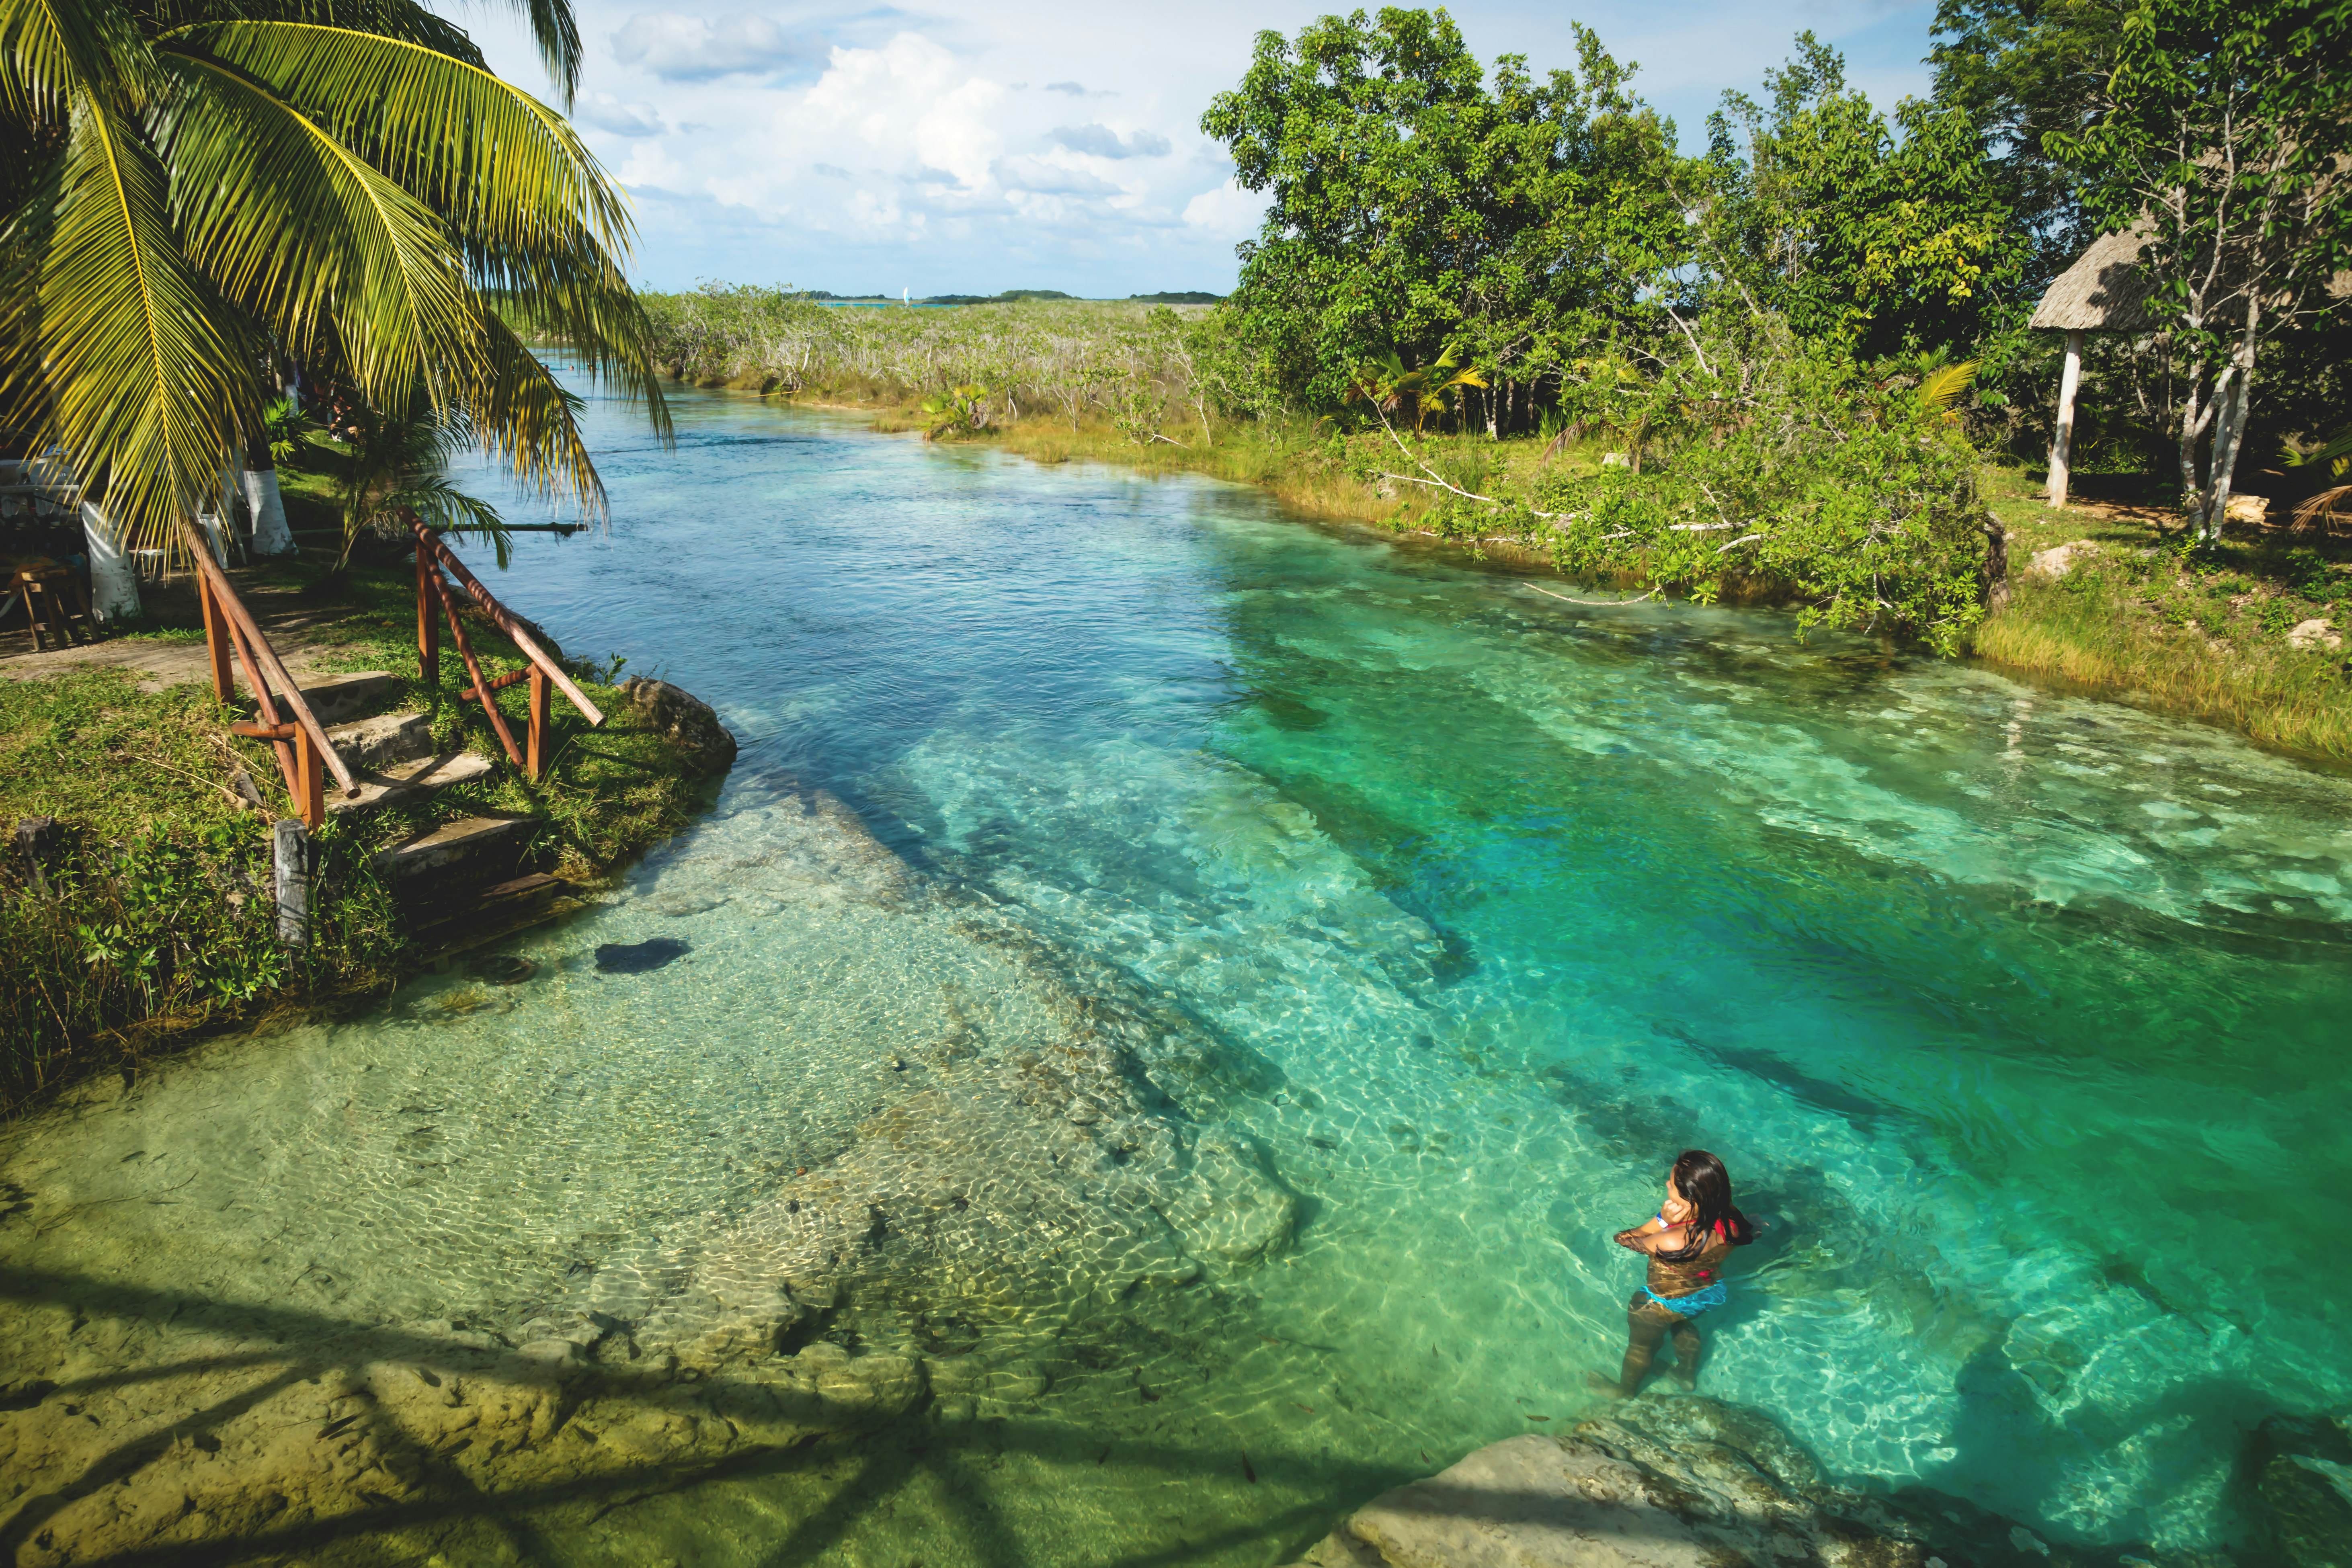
{"x": 2020, "y": 1018}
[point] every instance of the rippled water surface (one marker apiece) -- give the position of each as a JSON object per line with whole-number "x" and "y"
{"x": 2020, "y": 1018}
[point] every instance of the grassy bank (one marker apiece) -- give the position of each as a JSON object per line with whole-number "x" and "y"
{"x": 154, "y": 919}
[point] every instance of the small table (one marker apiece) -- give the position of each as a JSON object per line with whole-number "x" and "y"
{"x": 55, "y": 606}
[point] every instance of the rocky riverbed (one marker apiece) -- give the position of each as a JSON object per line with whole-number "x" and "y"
{"x": 999, "y": 1163}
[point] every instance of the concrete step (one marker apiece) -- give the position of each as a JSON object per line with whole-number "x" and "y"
{"x": 422, "y": 775}
{"x": 383, "y": 740}
{"x": 337, "y": 699}
{"x": 470, "y": 851}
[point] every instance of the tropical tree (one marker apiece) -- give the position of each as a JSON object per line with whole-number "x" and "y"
{"x": 216, "y": 187}
{"x": 1818, "y": 208}
{"x": 2218, "y": 140}
{"x": 393, "y": 464}
{"x": 1415, "y": 203}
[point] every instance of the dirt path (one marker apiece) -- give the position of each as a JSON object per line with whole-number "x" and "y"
{"x": 303, "y": 631}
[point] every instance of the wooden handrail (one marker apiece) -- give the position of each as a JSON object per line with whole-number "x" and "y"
{"x": 240, "y": 617}
{"x": 504, "y": 620}
{"x": 466, "y": 652}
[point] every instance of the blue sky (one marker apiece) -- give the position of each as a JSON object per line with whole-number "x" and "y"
{"x": 1038, "y": 145}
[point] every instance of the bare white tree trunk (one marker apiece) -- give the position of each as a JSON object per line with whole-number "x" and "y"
{"x": 2230, "y": 427}
{"x": 113, "y": 584}
{"x": 271, "y": 534}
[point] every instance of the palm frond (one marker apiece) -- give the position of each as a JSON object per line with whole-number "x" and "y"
{"x": 299, "y": 228}
{"x": 51, "y": 53}
{"x": 140, "y": 374}
{"x": 1940, "y": 387}
{"x": 522, "y": 414}
{"x": 557, "y": 33}
{"x": 502, "y": 168}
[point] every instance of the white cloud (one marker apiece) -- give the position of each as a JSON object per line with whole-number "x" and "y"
{"x": 1102, "y": 141}
{"x": 602, "y": 112}
{"x": 1050, "y": 179}
{"x": 1228, "y": 211}
{"x": 679, "y": 48}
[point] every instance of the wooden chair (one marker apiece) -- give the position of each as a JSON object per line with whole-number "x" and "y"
{"x": 55, "y": 606}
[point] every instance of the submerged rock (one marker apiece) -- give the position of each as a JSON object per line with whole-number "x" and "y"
{"x": 1006, "y": 1164}
{"x": 638, "y": 957}
{"x": 1679, "y": 1483}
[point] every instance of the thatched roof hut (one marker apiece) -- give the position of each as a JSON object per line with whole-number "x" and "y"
{"x": 2106, "y": 290}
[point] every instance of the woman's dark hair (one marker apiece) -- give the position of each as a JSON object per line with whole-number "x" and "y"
{"x": 1706, "y": 1185}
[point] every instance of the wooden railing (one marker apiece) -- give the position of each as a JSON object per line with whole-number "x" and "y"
{"x": 304, "y": 754}
{"x": 434, "y": 558}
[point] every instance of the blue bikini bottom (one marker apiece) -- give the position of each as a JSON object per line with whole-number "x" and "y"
{"x": 1692, "y": 1305}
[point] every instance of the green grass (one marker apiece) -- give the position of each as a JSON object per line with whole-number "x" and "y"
{"x": 158, "y": 923}
{"x": 2203, "y": 635}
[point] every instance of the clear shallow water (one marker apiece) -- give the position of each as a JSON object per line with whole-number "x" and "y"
{"x": 2018, "y": 1017}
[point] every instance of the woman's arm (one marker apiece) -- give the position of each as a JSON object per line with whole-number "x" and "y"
{"x": 1649, "y": 1243}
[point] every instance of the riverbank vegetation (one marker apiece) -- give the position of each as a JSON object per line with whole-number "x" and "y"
{"x": 146, "y": 913}
{"x": 1504, "y": 308}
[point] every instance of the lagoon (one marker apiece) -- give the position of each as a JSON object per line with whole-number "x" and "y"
{"x": 1457, "y": 907}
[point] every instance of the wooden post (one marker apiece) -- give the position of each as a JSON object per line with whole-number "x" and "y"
{"x": 536, "y": 768}
{"x": 2062, "y": 449}
{"x": 310, "y": 780}
{"x": 216, "y": 641}
{"x": 428, "y": 624}
{"x": 292, "y": 846}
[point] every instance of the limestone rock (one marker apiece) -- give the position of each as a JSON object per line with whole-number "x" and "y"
{"x": 2302, "y": 1481}
{"x": 2314, "y": 633}
{"x": 1229, "y": 1208}
{"x": 2049, "y": 566}
{"x": 2246, "y": 509}
{"x": 1687, "y": 1483}
{"x": 687, "y": 719}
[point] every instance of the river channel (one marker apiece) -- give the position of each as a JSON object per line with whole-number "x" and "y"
{"x": 2019, "y": 1019}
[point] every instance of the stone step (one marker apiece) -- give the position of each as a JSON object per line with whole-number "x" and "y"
{"x": 403, "y": 781}
{"x": 337, "y": 699}
{"x": 467, "y": 852}
{"x": 381, "y": 741}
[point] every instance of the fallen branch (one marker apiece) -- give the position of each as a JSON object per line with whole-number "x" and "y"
{"x": 1438, "y": 482}
{"x": 1595, "y": 604}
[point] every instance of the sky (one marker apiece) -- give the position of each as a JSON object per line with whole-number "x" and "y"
{"x": 1035, "y": 144}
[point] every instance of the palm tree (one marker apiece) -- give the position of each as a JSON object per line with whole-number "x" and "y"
{"x": 218, "y": 186}
{"x": 1412, "y": 394}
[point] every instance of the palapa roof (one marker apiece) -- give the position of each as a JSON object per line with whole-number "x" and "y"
{"x": 2108, "y": 290}
{"x": 2105, "y": 291}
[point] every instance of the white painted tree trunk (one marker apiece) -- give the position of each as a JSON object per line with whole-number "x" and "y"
{"x": 2062, "y": 447}
{"x": 271, "y": 534}
{"x": 113, "y": 583}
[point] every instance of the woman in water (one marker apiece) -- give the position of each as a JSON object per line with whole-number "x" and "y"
{"x": 1694, "y": 1230}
